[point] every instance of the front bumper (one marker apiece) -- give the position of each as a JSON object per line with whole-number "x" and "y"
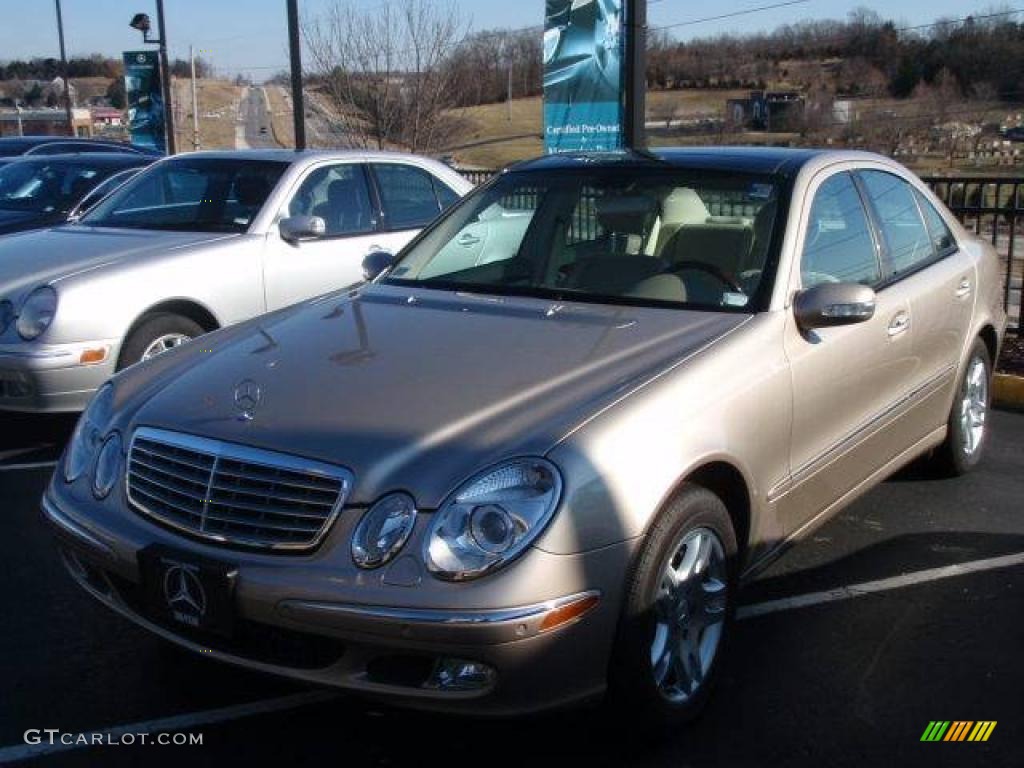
{"x": 332, "y": 625}
{"x": 51, "y": 379}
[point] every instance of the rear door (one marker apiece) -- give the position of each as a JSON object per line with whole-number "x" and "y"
{"x": 409, "y": 198}
{"x": 921, "y": 256}
{"x": 339, "y": 193}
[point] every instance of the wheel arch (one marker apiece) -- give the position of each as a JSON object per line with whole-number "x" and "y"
{"x": 724, "y": 478}
{"x": 190, "y": 308}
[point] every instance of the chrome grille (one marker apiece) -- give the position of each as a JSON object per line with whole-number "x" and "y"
{"x": 231, "y": 493}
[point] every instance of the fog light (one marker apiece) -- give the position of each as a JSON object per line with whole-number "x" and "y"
{"x": 460, "y": 675}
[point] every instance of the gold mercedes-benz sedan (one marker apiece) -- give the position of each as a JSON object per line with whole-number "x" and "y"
{"x": 531, "y": 460}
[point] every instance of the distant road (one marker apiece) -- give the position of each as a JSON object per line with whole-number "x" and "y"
{"x": 253, "y": 129}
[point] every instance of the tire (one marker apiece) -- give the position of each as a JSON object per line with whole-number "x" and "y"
{"x": 153, "y": 329}
{"x": 967, "y": 431}
{"x": 651, "y": 693}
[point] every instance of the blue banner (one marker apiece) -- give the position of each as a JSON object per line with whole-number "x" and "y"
{"x": 584, "y": 75}
{"x": 144, "y": 95}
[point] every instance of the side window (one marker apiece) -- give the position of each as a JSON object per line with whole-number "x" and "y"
{"x": 942, "y": 238}
{"x": 838, "y": 247}
{"x": 407, "y": 194}
{"x": 909, "y": 243}
{"x": 337, "y": 194}
{"x": 445, "y": 195}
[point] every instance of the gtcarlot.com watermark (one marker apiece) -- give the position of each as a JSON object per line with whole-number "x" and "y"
{"x": 55, "y": 736}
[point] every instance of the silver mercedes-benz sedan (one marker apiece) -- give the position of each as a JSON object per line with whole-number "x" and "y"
{"x": 197, "y": 242}
{"x": 506, "y": 479}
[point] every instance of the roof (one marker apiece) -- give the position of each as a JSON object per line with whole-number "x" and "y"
{"x": 294, "y": 155}
{"x": 95, "y": 159}
{"x": 763, "y": 160}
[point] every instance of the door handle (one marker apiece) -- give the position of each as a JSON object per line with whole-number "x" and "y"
{"x": 468, "y": 240}
{"x": 964, "y": 289}
{"x": 899, "y": 324}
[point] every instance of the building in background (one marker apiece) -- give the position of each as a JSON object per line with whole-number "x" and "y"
{"x": 44, "y": 122}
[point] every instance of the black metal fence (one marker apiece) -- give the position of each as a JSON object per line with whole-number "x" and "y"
{"x": 990, "y": 206}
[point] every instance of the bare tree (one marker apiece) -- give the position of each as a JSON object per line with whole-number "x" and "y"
{"x": 384, "y": 70}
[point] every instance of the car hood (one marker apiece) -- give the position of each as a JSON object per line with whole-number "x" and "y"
{"x": 30, "y": 259}
{"x": 417, "y": 390}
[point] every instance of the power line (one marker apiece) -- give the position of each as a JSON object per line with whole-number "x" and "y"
{"x": 731, "y": 15}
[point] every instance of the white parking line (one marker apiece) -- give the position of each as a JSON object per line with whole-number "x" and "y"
{"x": 30, "y": 465}
{"x": 881, "y": 585}
{"x": 179, "y": 723}
{"x": 175, "y": 724}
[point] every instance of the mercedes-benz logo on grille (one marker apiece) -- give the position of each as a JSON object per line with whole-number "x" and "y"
{"x": 184, "y": 594}
{"x": 248, "y": 397}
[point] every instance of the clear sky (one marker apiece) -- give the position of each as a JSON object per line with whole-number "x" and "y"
{"x": 250, "y": 35}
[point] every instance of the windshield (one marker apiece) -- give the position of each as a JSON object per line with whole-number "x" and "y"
{"x": 46, "y": 187}
{"x": 191, "y": 195}
{"x": 667, "y": 238}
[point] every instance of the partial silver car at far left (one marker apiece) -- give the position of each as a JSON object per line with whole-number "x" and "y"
{"x": 197, "y": 242}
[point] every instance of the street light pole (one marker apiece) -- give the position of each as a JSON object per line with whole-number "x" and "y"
{"x": 64, "y": 71}
{"x": 166, "y": 80}
{"x": 294, "y": 46}
{"x": 195, "y": 100}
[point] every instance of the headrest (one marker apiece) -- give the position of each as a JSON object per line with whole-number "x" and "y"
{"x": 340, "y": 189}
{"x": 684, "y": 206}
{"x": 626, "y": 214}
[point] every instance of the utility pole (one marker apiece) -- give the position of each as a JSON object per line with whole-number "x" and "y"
{"x": 294, "y": 47}
{"x": 64, "y": 72}
{"x": 165, "y": 66}
{"x": 195, "y": 100}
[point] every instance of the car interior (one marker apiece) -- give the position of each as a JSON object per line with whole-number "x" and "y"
{"x": 693, "y": 244}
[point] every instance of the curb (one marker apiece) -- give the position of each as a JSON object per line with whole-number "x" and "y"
{"x": 1008, "y": 390}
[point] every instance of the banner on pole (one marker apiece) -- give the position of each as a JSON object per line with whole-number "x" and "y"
{"x": 585, "y": 75}
{"x": 144, "y": 95}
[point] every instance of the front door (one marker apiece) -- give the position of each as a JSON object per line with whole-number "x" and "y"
{"x": 339, "y": 194}
{"x": 847, "y": 380}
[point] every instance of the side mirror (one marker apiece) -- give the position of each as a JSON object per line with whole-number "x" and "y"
{"x": 295, "y": 229}
{"x": 375, "y": 263}
{"x": 831, "y": 304}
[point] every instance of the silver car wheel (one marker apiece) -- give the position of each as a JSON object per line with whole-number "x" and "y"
{"x": 974, "y": 405}
{"x": 690, "y": 610}
{"x": 164, "y": 343}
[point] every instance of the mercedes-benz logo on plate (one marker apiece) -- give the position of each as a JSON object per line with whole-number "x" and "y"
{"x": 248, "y": 397}
{"x": 184, "y": 594}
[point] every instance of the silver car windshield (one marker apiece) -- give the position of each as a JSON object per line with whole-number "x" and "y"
{"x": 191, "y": 195}
{"x": 669, "y": 238}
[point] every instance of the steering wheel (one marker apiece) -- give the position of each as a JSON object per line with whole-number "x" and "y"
{"x": 709, "y": 269}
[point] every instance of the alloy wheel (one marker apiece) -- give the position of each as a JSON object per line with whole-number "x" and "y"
{"x": 164, "y": 343}
{"x": 690, "y": 610}
{"x": 974, "y": 406}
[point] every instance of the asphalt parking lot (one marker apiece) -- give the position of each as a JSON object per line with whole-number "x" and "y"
{"x": 848, "y": 647}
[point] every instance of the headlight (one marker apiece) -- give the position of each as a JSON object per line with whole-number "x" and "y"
{"x": 37, "y": 313}
{"x": 6, "y": 315}
{"x": 89, "y": 432}
{"x": 383, "y": 531}
{"x": 108, "y": 466}
{"x": 492, "y": 518}
{"x": 551, "y": 40}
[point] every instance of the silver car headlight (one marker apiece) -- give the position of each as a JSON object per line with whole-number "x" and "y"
{"x": 492, "y": 518}
{"x": 383, "y": 530}
{"x": 89, "y": 434}
{"x": 6, "y": 315}
{"x": 37, "y": 313}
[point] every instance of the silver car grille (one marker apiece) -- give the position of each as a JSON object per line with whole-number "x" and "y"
{"x": 233, "y": 494}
